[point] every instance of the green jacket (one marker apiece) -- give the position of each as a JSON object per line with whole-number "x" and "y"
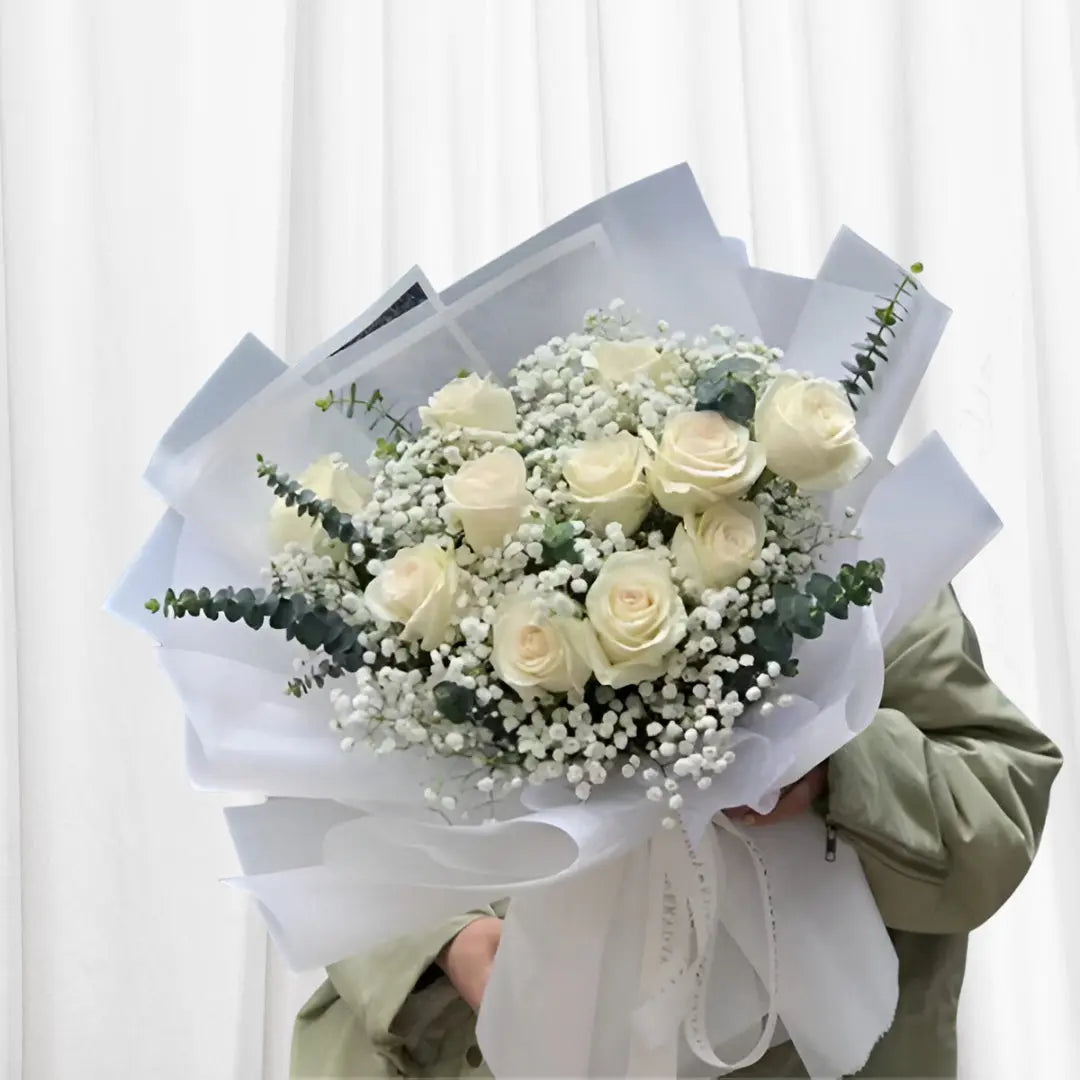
{"x": 944, "y": 797}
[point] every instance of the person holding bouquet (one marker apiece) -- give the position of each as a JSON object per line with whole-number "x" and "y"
{"x": 943, "y": 796}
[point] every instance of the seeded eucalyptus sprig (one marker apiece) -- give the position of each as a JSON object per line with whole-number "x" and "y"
{"x": 313, "y": 625}
{"x": 883, "y": 322}
{"x": 304, "y": 501}
{"x": 801, "y": 612}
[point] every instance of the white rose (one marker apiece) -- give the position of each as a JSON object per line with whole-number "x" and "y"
{"x": 535, "y": 650}
{"x": 489, "y": 497}
{"x": 617, "y": 362}
{"x": 330, "y": 478}
{"x": 607, "y": 480}
{"x": 638, "y": 617}
{"x": 716, "y": 547}
{"x": 702, "y": 457}
{"x": 417, "y": 587}
{"x": 474, "y": 405}
{"x": 807, "y": 428}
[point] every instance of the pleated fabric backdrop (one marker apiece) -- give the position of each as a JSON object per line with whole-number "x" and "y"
{"x": 172, "y": 175}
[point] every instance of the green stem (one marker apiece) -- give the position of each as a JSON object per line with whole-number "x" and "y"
{"x": 884, "y": 320}
{"x": 374, "y": 404}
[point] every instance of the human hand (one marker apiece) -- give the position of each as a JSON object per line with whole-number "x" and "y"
{"x": 468, "y": 958}
{"x": 795, "y": 800}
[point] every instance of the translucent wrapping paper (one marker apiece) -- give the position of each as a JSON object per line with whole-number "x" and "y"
{"x": 628, "y": 949}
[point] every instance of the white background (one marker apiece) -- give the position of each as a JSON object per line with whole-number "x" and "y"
{"x": 173, "y": 174}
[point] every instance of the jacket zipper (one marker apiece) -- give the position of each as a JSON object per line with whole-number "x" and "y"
{"x": 920, "y": 871}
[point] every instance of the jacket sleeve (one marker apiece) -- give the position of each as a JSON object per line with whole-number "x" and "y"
{"x": 945, "y": 794}
{"x": 407, "y": 1009}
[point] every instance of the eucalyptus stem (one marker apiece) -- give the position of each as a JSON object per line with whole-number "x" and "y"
{"x": 304, "y": 501}
{"x": 374, "y": 404}
{"x": 884, "y": 322}
{"x": 313, "y": 625}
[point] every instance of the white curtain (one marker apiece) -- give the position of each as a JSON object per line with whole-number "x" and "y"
{"x": 172, "y": 175}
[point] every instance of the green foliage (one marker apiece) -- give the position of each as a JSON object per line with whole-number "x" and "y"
{"x": 323, "y": 670}
{"x": 883, "y": 326}
{"x": 386, "y": 449}
{"x": 774, "y": 639}
{"x": 732, "y": 365}
{"x": 801, "y": 612}
{"x": 558, "y": 543}
{"x": 798, "y": 612}
{"x": 312, "y": 625}
{"x": 337, "y": 526}
{"x": 374, "y": 408}
{"x": 455, "y": 702}
{"x": 829, "y": 595}
{"x": 720, "y": 391}
{"x": 861, "y": 581}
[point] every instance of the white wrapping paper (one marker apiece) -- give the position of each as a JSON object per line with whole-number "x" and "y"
{"x": 618, "y": 930}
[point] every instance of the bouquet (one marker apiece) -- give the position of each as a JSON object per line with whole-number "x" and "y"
{"x": 546, "y": 595}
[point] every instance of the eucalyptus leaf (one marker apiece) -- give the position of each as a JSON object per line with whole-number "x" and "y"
{"x": 344, "y": 639}
{"x": 454, "y": 701}
{"x": 282, "y": 615}
{"x": 828, "y": 594}
{"x": 736, "y": 363}
{"x": 558, "y": 544}
{"x": 774, "y": 639}
{"x": 311, "y": 630}
{"x": 734, "y": 400}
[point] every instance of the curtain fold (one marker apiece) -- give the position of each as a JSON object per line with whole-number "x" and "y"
{"x": 174, "y": 175}
{"x": 11, "y": 963}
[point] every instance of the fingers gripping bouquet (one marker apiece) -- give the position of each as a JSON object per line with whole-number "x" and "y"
{"x": 561, "y": 611}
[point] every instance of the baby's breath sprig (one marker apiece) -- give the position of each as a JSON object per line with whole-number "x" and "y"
{"x": 883, "y": 322}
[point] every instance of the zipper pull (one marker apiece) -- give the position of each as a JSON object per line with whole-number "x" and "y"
{"x": 830, "y": 843}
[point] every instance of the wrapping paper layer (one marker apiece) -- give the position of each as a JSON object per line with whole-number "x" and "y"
{"x": 344, "y": 854}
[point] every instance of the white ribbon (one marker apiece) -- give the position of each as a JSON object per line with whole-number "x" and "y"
{"x": 680, "y": 951}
